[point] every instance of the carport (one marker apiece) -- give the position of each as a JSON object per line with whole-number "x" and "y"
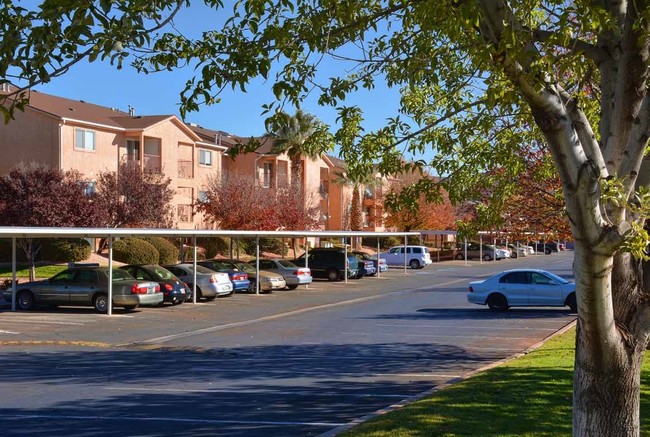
{"x": 16, "y": 232}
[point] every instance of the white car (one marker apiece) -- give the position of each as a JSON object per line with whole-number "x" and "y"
{"x": 523, "y": 287}
{"x": 416, "y": 256}
{"x": 209, "y": 284}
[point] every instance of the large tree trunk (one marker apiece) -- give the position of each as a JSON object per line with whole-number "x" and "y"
{"x": 608, "y": 358}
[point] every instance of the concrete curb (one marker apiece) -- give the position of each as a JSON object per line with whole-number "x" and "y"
{"x": 338, "y": 430}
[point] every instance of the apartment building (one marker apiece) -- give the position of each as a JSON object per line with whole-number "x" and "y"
{"x": 73, "y": 134}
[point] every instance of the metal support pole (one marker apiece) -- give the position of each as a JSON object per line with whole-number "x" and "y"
{"x": 480, "y": 247}
{"x": 306, "y": 260}
{"x": 466, "y": 251}
{"x": 194, "y": 271}
{"x": 257, "y": 265}
{"x": 345, "y": 264}
{"x": 13, "y": 274}
{"x": 405, "y": 244}
{"x": 110, "y": 275}
{"x": 378, "y": 257}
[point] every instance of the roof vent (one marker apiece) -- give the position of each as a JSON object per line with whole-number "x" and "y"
{"x": 131, "y": 111}
{"x": 4, "y": 87}
{"x": 217, "y": 139}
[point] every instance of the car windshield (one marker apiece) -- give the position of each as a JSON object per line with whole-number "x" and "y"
{"x": 362, "y": 255}
{"x": 244, "y": 267}
{"x": 161, "y": 272}
{"x": 286, "y": 263}
{"x": 557, "y": 278}
{"x": 120, "y": 275}
{"x": 201, "y": 269}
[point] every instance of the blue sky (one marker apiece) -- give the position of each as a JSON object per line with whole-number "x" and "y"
{"x": 238, "y": 113}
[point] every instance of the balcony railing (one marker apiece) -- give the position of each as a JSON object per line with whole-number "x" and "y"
{"x": 185, "y": 169}
{"x": 152, "y": 163}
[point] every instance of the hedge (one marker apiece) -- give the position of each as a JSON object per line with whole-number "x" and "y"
{"x": 135, "y": 251}
{"x": 64, "y": 250}
{"x": 168, "y": 253}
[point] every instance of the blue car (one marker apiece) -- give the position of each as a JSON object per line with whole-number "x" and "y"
{"x": 239, "y": 279}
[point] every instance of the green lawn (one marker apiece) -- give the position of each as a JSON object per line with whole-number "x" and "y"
{"x": 22, "y": 270}
{"x": 529, "y": 396}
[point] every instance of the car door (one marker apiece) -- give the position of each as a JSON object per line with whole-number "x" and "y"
{"x": 515, "y": 286}
{"x": 395, "y": 256}
{"x": 57, "y": 290}
{"x": 316, "y": 263}
{"x": 182, "y": 274}
{"x": 83, "y": 286}
{"x": 545, "y": 291}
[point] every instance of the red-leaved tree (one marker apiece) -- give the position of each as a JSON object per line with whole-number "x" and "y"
{"x": 134, "y": 199}
{"x": 40, "y": 196}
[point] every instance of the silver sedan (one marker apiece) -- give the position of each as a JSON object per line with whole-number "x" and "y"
{"x": 292, "y": 274}
{"x": 209, "y": 284}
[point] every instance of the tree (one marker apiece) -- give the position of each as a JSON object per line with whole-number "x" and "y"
{"x": 421, "y": 214}
{"x": 135, "y": 198}
{"x": 235, "y": 201}
{"x": 298, "y": 135}
{"x": 45, "y": 197}
{"x": 477, "y": 80}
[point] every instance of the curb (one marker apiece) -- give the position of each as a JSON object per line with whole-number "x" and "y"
{"x": 336, "y": 431}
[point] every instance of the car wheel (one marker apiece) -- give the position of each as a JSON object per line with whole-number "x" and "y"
{"x": 497, "y": 302}
{"x": 211, "y": 298}
{"x": 414, "y": 264}
{"x": 176, "y": 301}
{"x": 199, "y": 295}
{"x": 129, "y": 307}
{"x": 460, "y": 257}
{"x": 292, "y": 287}
{"x": 571, "y": 303}
{"x": 101, "y": 303}
{"x": 333, "y": 275}
{"x": 25, "y": 300}
{"x": 487, "y": 257}
{"x": 514, "y": 255}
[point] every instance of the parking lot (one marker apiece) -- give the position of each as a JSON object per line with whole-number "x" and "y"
{"x": 301, "y": 362}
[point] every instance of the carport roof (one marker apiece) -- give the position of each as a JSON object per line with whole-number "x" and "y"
{"x": 40, "y": 232}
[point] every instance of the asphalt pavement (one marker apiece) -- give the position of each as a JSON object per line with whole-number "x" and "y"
{"x": 301, "y": 363}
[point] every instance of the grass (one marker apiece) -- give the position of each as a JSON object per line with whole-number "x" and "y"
{"x": 529, "y": 396}
{"x": 22, "y": 270}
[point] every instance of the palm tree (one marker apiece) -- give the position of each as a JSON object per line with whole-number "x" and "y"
{"x": 298, "y": 135}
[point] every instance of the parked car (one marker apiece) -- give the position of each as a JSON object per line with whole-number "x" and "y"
{"x": 209, "y": 284}
{"x": 523, "y": 287}
{"x": 174, "y": 290}
{"x": 544, "y": 247}
{"x": 520, "y": 251}
{"x": 416, "y": 256}
{"x": 292, "y": 274}
{"x": 268, "y": 281}
{"x": 238, "y": 278}
{"x": 329, "y": 263}
{"x": 366, "y": 267}
{"x": 379, "y": 264}
{"x": 88, "y": 286}
{"x": 487, "y": 252}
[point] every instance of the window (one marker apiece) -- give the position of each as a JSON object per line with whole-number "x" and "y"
{"x": 203, "y": 196}
{"x": 205, "y": 157}
{"x": 84, "y": 139}
{"x": 417, "y": 250}
{"x": 88, "y": 187}
{"x": 266, "y": 174}
{"x": 515, "y": 278}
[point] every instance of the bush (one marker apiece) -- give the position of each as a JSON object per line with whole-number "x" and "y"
{"x": 65, "y": 250}
{"x": 167, "y": 251}
{"x": 188, "y": 256}
{"x": 266, "y": 245}
{"x": 135, "y": 251}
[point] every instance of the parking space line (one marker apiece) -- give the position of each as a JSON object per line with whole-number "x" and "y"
{"x": 473, "y": 327}
{"x": 315, "y": 392}
{"x": 2, "y": 331}
{"x": 43, "y": 322}
{"x": 167, "y": 419}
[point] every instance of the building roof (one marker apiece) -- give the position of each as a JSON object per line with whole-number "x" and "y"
{"x": 225, "y": 139}
{"x": 82, "y": 111}
{"x": 337, "y": 162}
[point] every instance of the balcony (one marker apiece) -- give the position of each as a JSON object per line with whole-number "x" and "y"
{"x": 152, "y": 163}
{"x": 184, "y": 213}
{"x": 185, "y": 169}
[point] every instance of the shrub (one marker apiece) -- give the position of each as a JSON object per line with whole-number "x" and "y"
{"x": 188, "y": 256}
{"x": 135, "y": 251}
{"x": 266, "y": 245}
{"x": 65, "y": 250}
{"x": 167, "y": 251}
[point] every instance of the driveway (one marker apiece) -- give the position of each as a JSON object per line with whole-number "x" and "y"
{"x": 300, "y": 363}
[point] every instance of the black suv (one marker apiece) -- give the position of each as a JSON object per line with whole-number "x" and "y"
{"x": 541, "y": 246}
{"x": 329, "y": 263}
